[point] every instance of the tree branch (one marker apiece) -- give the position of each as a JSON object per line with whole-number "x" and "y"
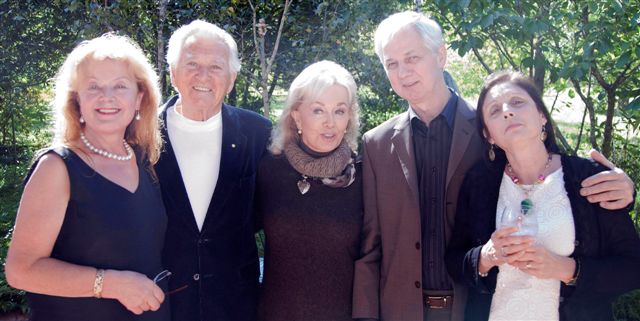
{"x": 254, "y": 27}
{"x": 504, "y": 51}
{"x": 624, "y": 75}
{"x": 475, "y": 50}
{"x": 595, "y": 71}
{"x": 287, "y": 3}
{"x": 484, "y": 64}
{"x": 588, "y": 104}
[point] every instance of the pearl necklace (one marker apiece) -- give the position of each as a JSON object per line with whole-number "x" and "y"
{"x": 526, "y": 204}
{"x": 106, "y": 154}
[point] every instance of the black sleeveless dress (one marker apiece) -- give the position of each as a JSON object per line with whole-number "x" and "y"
{"x": 108, "y": 227}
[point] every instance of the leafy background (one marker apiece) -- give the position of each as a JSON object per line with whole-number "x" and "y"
{"x": 585, "y": 55}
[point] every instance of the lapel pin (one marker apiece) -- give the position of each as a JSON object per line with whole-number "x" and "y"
{"x": 233, "y": 145}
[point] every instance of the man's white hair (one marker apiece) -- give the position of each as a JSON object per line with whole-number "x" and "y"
{"x": 430, "y": 31}
{"x": 200, "y": 29}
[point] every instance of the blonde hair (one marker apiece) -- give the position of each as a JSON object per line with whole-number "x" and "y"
{"x": 144, "y": 132}
{"x": 428, "y": 29}
{"x": 200, "y": 29}
{"x": 308, "y": 86}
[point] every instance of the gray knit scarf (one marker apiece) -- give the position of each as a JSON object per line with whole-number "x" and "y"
{"x": 335, "y": 170}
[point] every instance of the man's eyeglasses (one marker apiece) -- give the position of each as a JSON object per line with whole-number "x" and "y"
{"x": 165, "y": 275}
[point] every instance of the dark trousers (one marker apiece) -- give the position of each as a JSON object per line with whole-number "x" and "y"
{"x": 437, "y": 314}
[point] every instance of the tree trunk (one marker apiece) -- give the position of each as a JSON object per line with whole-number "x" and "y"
{"x": 607, "y": 141}
{"x": 579, "y": 139}
{"x": 259, "y": 32}
{"x": 538, "y": 69}
{"x": 588, "y": 104}
{"x": 276, "y": 76}
{"x": 265, "y": 98}
{"x": 160, "y": 59}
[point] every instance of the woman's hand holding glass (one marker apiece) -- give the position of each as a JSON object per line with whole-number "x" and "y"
{"x": 503, "y": 247}
{"x": 134, "y": 290}
{"x": 536, "y": 260}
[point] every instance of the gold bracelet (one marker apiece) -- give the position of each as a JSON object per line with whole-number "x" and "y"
{"x": 97, "y": 284}
{"x": 576, "y": 274}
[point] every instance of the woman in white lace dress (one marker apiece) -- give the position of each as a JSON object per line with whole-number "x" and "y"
{"x": 577, "y": 258}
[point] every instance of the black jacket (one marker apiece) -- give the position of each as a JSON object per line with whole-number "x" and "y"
{"x": 219, "y": 265}
{"x": 606, "y": 244}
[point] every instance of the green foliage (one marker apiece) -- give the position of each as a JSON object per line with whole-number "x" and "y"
{"x": 11, "y": 176}
{"x": 627, "y": 307}
{"x": 589, "y": 45}
{"x": 559, "y": 43}
{"x": 468, "y": 74}
{"x": 34, "y": 41}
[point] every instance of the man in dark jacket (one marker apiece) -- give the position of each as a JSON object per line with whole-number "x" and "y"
{"x": 207, "y": 176}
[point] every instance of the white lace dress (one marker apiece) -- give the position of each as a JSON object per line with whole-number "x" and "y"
{"x": 556, "y": 232}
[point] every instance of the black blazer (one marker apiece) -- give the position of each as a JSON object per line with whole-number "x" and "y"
{"x": 219, "y": 265}
{"x": 606, "y": 243}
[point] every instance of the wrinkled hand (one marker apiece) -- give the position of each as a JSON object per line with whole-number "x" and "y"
{"x": 611, "y": 189}
{"x": 503, "y": 248}
{"x": 133, "y": 290}
{"x": 543, "y": 264}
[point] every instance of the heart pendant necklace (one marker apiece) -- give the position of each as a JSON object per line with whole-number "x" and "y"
{"x": 303, "y": 185}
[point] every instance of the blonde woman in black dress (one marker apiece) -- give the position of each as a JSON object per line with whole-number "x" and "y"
{"x": 90, "y": 228}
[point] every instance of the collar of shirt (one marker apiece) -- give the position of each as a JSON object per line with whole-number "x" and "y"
{"x": 449, "y": 111}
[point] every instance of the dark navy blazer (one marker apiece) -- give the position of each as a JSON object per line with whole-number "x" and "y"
{"x": 219, "y": 265}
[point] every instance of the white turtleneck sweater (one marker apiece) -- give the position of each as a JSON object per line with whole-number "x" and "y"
{"x": 197, "y": 146}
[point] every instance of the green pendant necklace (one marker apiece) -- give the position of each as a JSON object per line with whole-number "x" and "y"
{"x": 526, "y": 204}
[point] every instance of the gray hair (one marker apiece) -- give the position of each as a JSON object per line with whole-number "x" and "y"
{"x": 308, "y": 86}
{"x": 430, "y": 31}
{"x": 201, "y": 29}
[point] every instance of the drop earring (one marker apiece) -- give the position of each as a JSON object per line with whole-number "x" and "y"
{"x": 492, "y": 153}
{"x": 81, "y": 119}
{"x": 543, "y": 134}
{"x": 137, "y": 114}
{"x": 299, "y": 131}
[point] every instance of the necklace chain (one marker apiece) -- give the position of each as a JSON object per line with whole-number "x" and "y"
{"x": 541, "y": 176}
{"x": 105, "y": 153}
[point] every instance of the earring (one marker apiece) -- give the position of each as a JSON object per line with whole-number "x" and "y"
{"x": 543, "y": 134}
{"x": 299, "y": 131}
{"x": 137, "y": 114}
{"x": 81, "y": 120}
{"x": 492, "y": 153}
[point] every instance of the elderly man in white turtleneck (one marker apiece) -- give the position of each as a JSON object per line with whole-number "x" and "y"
{"x": 207, "y": 177}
